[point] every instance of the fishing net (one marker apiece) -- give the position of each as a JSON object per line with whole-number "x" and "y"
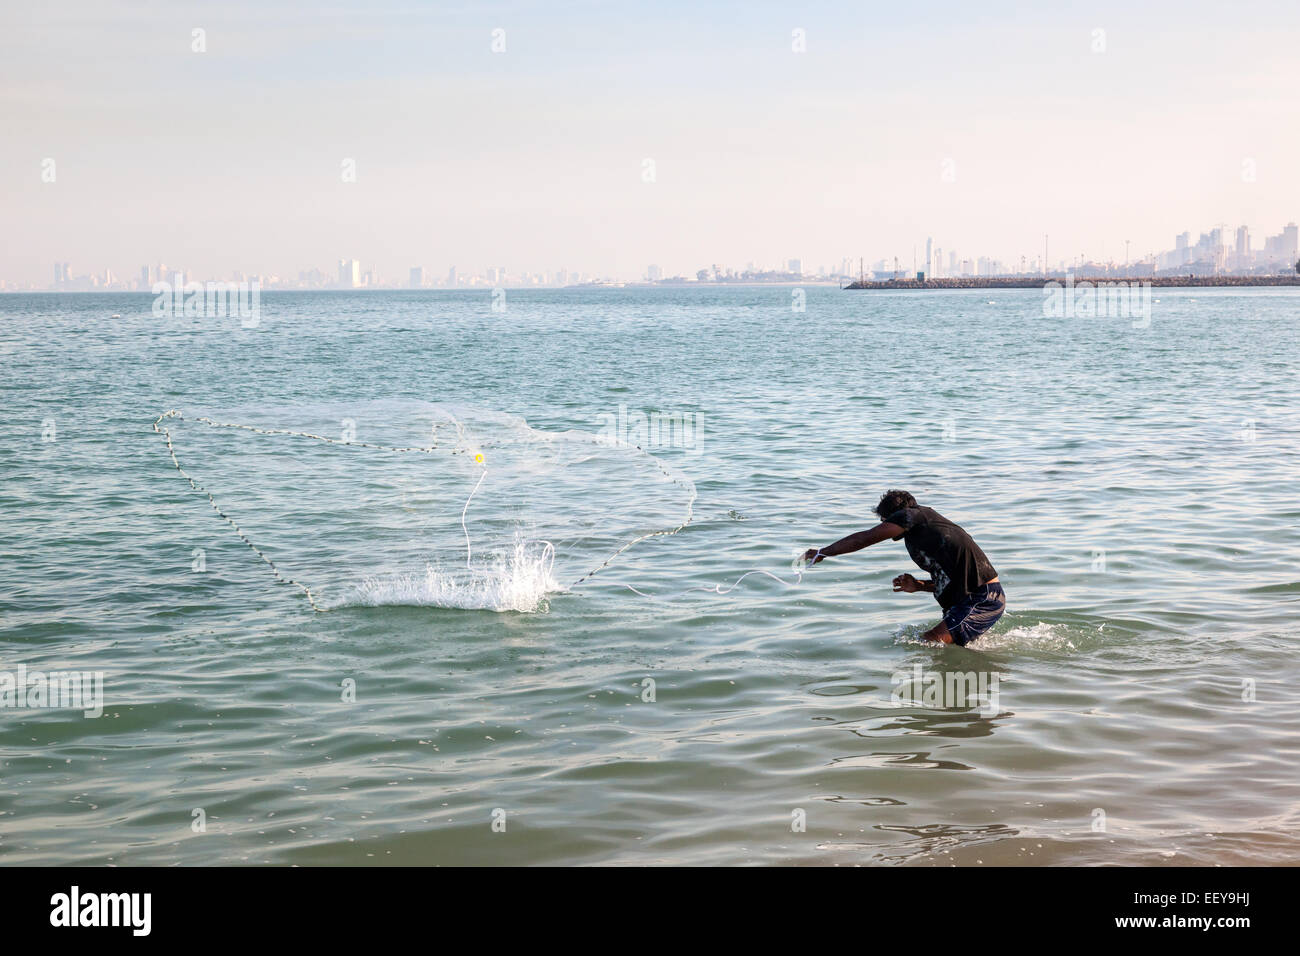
{"x": 419, "y": 503}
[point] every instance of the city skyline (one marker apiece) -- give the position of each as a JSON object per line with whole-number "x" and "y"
{"x": 1218, "y": 251}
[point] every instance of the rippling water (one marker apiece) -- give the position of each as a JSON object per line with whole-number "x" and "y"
{"x": 1136, "y": 489}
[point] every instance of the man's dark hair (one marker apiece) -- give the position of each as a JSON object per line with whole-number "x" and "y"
{"x": 892, "y": 501}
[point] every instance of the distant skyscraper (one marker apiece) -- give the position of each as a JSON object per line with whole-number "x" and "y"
{"x": 417, "y": 277}
{"x": 795, "y": 266}
{"x": 929, "y": 256}
{"x": 1291, "y": 242}
{"x": 654, "y": 273}
{"x": 451, "y": 277}
{"x": 349, "y": 273}
{"x": 1243, "y": 248}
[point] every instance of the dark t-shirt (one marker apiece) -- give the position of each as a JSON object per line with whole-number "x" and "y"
{"x": 944, "y": 551}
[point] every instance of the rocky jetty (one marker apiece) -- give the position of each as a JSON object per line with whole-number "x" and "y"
{"x": 1025, "y": 282}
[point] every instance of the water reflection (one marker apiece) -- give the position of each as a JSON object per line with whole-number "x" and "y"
{"x": 928, "y": 839}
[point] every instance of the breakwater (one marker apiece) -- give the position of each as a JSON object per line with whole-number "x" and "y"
{"x": 1037, "y": 282}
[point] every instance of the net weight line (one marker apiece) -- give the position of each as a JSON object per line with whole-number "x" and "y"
{"x": 162, "y": 429}
{"x": 176, "y": 413}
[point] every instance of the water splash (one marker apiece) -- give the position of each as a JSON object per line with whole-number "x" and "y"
{"x": 1043, "y": 636}
{"x": 1033, "y": 637}
{"x": 517, "y": 581}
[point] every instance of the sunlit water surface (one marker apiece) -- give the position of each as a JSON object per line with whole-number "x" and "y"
{"x": 1136, "y": 488}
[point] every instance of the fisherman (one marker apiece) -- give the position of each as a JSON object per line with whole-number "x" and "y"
{"x": 961, "y": 578}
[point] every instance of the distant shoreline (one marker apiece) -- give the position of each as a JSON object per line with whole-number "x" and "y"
{"x": 1021, "y": 282}
{"x": 984, "y": 282}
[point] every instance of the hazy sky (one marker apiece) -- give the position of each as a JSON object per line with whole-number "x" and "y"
{"x": 533, "y": 158}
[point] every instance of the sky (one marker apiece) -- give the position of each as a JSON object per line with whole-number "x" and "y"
{"x": 605, "y": 137}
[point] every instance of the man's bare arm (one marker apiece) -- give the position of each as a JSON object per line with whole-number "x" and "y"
{"x": 884, "y": 531}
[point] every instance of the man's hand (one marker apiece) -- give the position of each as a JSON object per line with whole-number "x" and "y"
{"x": 905, "y": 582}
{"x": 855, "y": 542}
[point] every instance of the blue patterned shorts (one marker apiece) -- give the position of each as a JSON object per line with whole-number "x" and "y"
{"x": 975, "y": 613}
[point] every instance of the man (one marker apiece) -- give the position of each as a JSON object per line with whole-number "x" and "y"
{"x": 961, "y": 578}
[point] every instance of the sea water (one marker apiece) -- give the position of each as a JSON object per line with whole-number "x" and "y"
{"x": 463, "y": 697}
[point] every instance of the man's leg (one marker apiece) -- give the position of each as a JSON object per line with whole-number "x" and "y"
{"x": 938, "y": 633}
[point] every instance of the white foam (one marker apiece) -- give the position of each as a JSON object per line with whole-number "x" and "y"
{"x": 1039, "y": 637}
{"x": 518, "y": 581}
{"x": 1032, "y": 637}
